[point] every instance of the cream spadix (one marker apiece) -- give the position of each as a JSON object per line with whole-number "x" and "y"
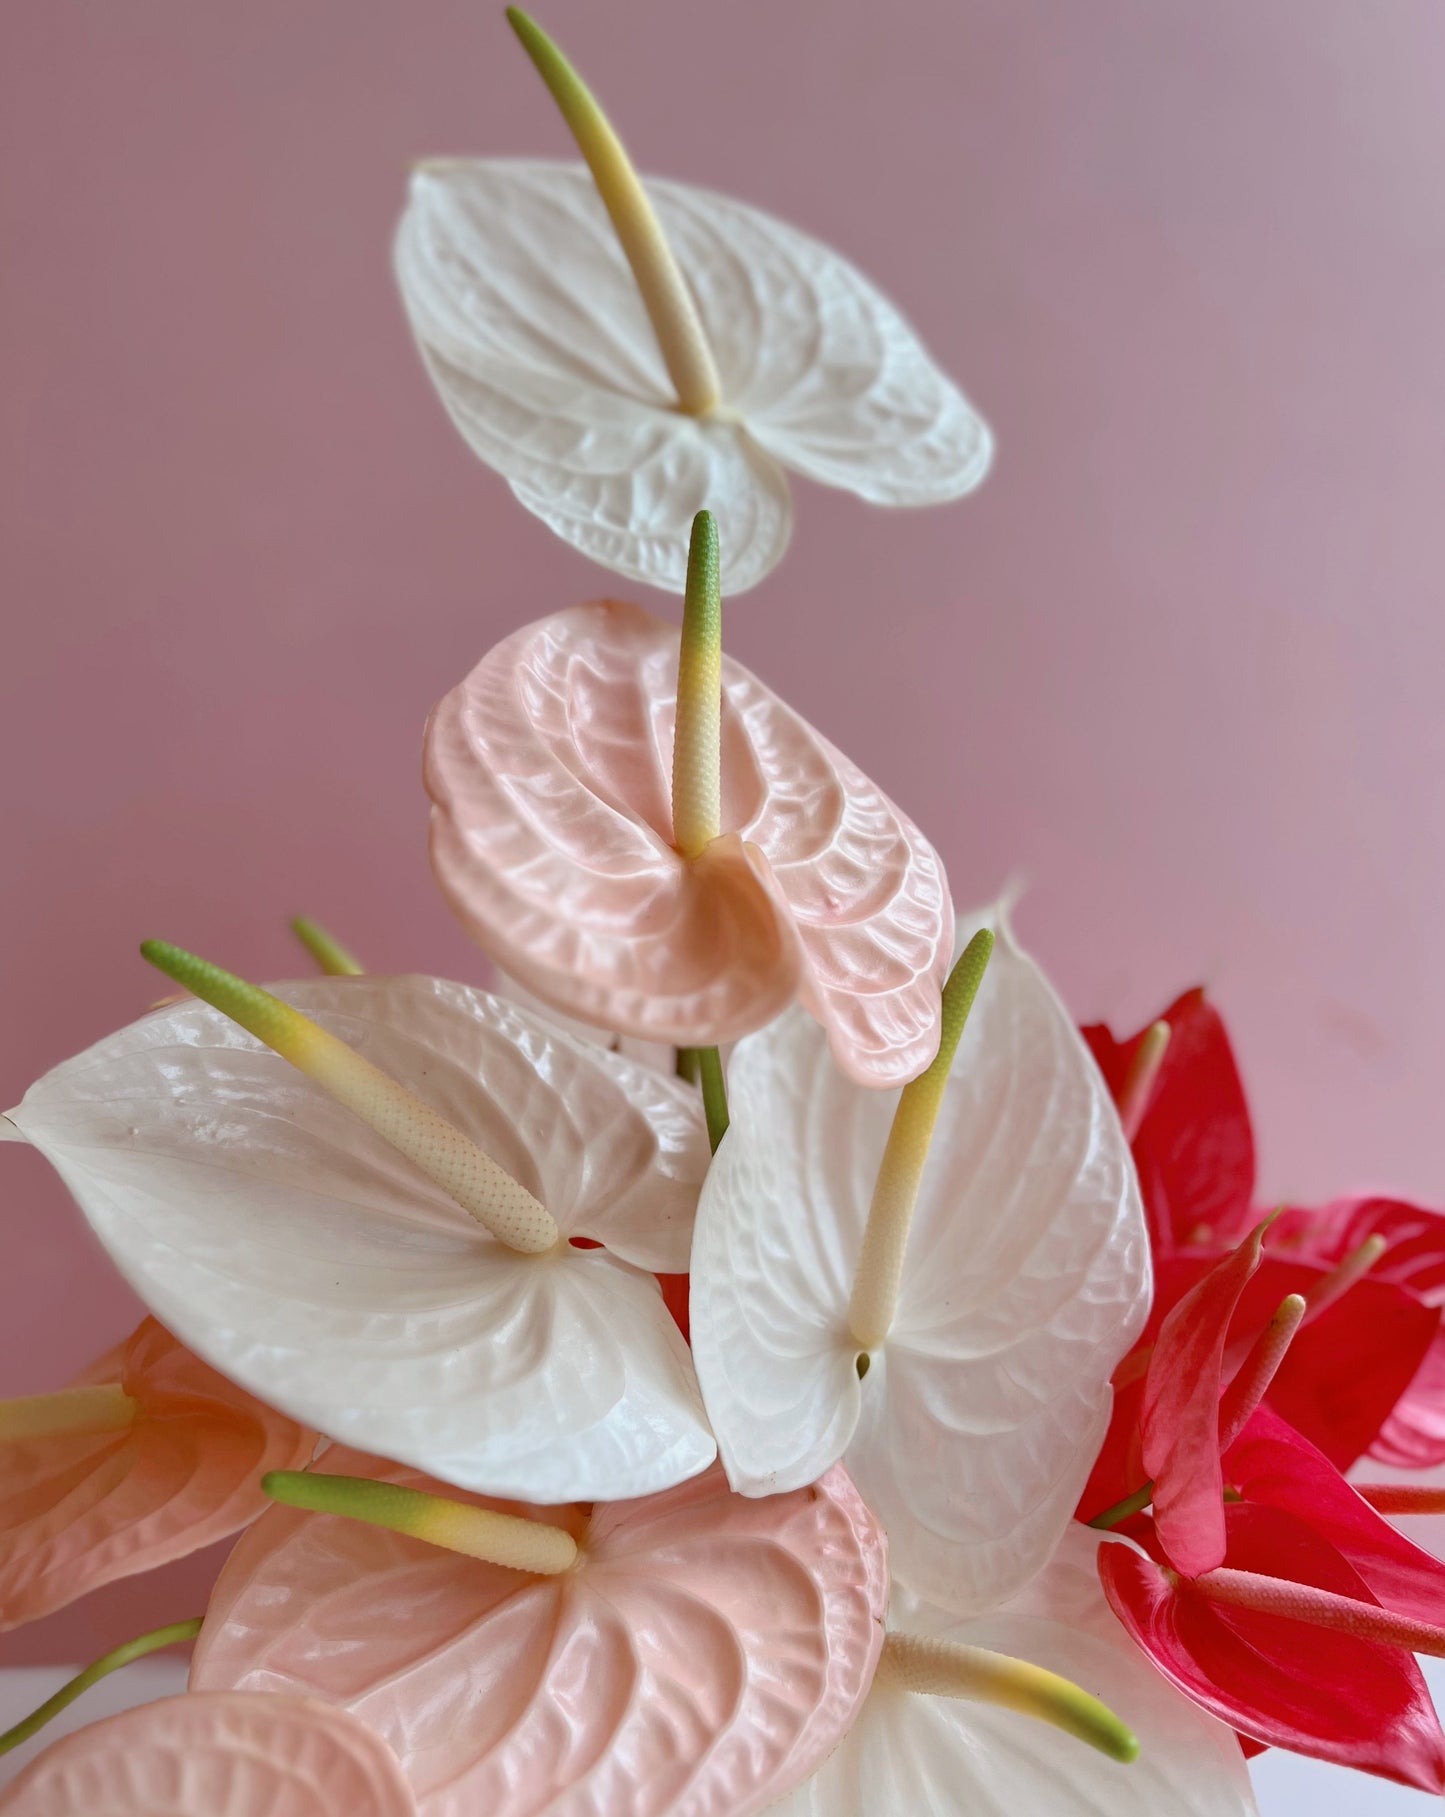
{"x": 895, "y": 1193}
{"x": 665, "y": 295}
{"x": 508, "y": 1540}
{"x": 69, "y": 1412}
{"x": 952, "y": 1668}
{"x": 328, "y": 952}
{"x": 464, "y": 1172}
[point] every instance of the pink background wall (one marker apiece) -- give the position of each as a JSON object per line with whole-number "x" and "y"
{"x": 1178, "y": 663}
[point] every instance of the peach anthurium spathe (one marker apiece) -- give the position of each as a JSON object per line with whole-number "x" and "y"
{"x": 221, "y": 1754}
{"x": 149, "y": 1455}
{"x": 622, "y": 374}
{"x": 280, "y": 1235}
{"x": 971, "y": 1424}
{"x": 703, "y": 1654}
{"x": 914, "y": 1752}
{"x": 552, "y": 838}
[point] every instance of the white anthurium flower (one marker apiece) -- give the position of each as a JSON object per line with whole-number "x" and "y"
{"x": 377, "y": 1232}
{"x": 655, "y": 1054}
{"x": 912, "y": 1752}
{"x": 625, "y": 357}
{"x": 964, "y": 1378}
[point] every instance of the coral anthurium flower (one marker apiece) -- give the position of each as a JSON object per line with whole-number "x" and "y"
{"x": 375, "y": 1241}
{"x": 220, "y": 1754}
{"x": 147, "y": 1456}
{"x": 689, "y": 1652}
{"x": 554, "y": 838}
{"x": 623, "y": 373}
{"x": 1304, "y": 1638}
{"x": 961, "y": 1369}
{"x": 958, "y": 1757}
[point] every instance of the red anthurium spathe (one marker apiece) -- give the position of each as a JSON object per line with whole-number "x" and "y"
{"x": 552, "y": 838}
{"x": 1283, "y": 1682}
{"x": 1193, "y": 1146}
{"x": 1179, "y": 1414}
{"x": 222, "y": 1754}
{"x": 1413, "y": 1267}
{"x": 697, "y": 1652}
{"x": 149, "y": 1455}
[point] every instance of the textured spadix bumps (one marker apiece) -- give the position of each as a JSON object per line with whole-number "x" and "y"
{"x": 549, "y": 770}
{"x": 218, "y": 1755}
{"x": 702, "y": 1657}
{"x": 1025, "y": 1278}
{"x": 293, "y": 1248}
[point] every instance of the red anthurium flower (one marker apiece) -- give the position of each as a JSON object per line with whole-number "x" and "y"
{"x": 1367, "y": 1371}
{"x": 1412, "y": 1266}
{"x": 1193, "y": 1145}
{"x": 1282, "y": 1681}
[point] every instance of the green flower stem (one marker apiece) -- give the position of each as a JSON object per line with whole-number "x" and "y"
{"x": 714, "y": 1093}
{"x": 1131, "y": 1504}
{"x": 172, "y": 1636}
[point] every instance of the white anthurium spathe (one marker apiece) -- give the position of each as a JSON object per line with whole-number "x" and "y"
{"x": 623, "y": 373}
{"x": 273, "y": 1229}
{"x": 910, "y": 1753}
{"x": 970, "y": 1427}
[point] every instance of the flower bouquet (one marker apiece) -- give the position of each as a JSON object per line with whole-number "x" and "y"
{"x": 761, "y": 1356}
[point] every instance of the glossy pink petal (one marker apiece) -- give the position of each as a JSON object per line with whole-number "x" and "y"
{"x": 704, "y": 1656}
{"x": 219, "y": 1754}
{"x": 549, "y": 771}
{"x": 77, "y": 1512}
{"x": 1283, "y": 1682}
{"x": 1180, "y": 1414}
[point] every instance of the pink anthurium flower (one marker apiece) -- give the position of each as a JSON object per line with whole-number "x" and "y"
{"x": 221, "y": 1754}
{"x": 942, "y": 1316}
{"x": 372, "y": 1233}
{"x": 554, "y": 840}
{"x": 622, "y": 374}
{"x": 147, "y": 1456}
{"x": 910, "y": 1751}
{"x": 690, "y": 1652}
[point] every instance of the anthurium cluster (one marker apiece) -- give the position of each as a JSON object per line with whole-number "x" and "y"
{"x": 421, "y": 1260}
{"x": 1263, "y": 1582}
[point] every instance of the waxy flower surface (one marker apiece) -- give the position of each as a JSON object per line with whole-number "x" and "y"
{"x": 216, "y": 1755}
{"x": 958, "y": 1757}
{"x": 971, "y": 1424}
{"x": 623, "y": 373}
{"x": 552, "y": 837}
{"x": 701, "y": 1652}
{"x": 147, "y": 1456}
{"x": 276, "y": 1231}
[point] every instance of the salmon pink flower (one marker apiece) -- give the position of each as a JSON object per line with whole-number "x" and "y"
{"x": 374, "y": 1238}
{"x": 689, "y": 1652}
{"x": 944, "y": 1317}
{"x": 956, "y": 1757}
{"x": 561, "y": 838}
{"x": 625, "y": 356}
{"x": 221, "y": 1754}
{"x": 147, "y": 1456}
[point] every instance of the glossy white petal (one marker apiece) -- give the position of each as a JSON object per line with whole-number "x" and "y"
{"x": 534, "y": 333}
{"x": 907, "y": 1754}
{"x": 1025, "y": 1281}
{"x": 298, "y": 1253}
